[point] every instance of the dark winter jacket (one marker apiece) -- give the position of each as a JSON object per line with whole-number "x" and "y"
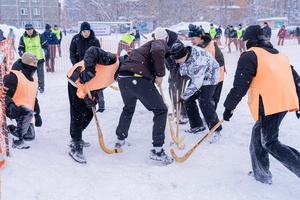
{"x": 232, "y": 34}
{"x": 11, "y": 82}
{"x": 147, "y": 61}
{"x": 170, "y": 63}
{"x": 22, "y": 46}
{"x": 218, "y": 53}
{"x": 246, "y": 71}
{"x": 267, "y": 31}
{"x": 297, "y": 31}
{"x": 226, "y": 32}
{"x": 50, "y": 37}
{"x": 79, "y": 45}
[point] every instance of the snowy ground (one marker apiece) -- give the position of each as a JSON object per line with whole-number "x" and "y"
{"x": 213, "y": 172}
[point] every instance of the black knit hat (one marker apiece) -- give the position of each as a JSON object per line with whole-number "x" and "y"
{"x": 85, "y": 26}
{"x": 28, "y": 26}
{"x": 194, "y": 31}
{"x": 178, "y": 51}
{"x": 47, "y": 26}
{"x": 253, "y": 32}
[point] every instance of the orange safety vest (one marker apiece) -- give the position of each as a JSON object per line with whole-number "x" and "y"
{"x": 274, "y": 83}
{"x": 26, "y": 90}
{"x": 103, "y": 78}
{"x": 211, "y": 49}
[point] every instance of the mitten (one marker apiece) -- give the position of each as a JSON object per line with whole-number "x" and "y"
{"x": 86, "y": 76}
{"x": 298, "y": 114}
{"x": 38, "y": 120}
{"x": 227, "y": 114}
{"x": 89, "y": 102}
{"x": 14, "y": 110}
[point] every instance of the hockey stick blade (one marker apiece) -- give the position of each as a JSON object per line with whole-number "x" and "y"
{"x": 100, "y": 135}
{"x": 187, "y": 155}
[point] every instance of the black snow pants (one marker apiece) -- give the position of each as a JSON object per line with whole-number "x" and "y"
{"x": 204, "y": 95}
{"x": 80, "y": 115}
{"x": 264, "y": 141}
{"x": 142, "y": 89}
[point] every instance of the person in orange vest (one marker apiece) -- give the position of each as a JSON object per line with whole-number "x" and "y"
{"x": 21, "y": 100}
{"x": 203, "y": 40}
{"x": 80, "y": 104}
{"x": 273, "y": 90}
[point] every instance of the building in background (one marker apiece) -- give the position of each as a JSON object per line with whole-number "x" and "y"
{"x": 38, "y": 12}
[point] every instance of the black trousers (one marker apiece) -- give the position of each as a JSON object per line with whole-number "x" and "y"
{"x": 144, "y": 90}
{"x": 217, "y": 94}
{"x": 80, "y": 115}
{"x": 204, "y": 95}
{"x": 264, "y": 141}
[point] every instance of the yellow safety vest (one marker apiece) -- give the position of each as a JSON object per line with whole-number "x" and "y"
{"x": 33, "y": 45}
{"x": 57, "y": 33}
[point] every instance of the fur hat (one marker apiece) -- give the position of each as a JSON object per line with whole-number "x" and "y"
{"x": 28, "y": 58}
{"x": 160, "y": 33}
{"x": 28, "y": 27}
{"x": 85, "y": 26}
{"x": 253, "y": 32}
{"x": 178, "y": 51}
{"x": 194, "y": 31}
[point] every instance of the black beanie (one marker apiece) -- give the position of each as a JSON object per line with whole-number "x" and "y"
{"x": 47, "y": 27}
{"x": 194, "y": 31}
{"x": 253, "y": 32}
{"x": 85, "y": 26}
{"x": 178, "y": 51}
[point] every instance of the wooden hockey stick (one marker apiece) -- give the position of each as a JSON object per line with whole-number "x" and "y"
{"x": 100, "y": 135}
{"x": 174, "y": 138}
{"x": 187, "y": 155}
{"x": 114, "y": 87}
{"x": 173, "y": 110}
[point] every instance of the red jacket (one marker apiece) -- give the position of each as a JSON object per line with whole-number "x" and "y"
{"x": 281, "y": 32}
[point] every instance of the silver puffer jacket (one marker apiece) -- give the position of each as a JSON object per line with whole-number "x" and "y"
{"x": 202, "y": 69}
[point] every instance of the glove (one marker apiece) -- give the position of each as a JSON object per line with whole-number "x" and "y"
{"x": 86, "y": 76}
{"x": 38, "y": 120}
{"x": 100, "y": 101}
{"x": 227, "y": 114}
{"x": 298, "y": 114}
{"x": 181, "y": 100}
{"x": 89, "y": 102}
{"x": 14, "y": 110}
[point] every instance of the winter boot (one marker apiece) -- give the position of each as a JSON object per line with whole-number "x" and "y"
{"x": 19, "y": 144}
{"x": 215, "y": 137}
{"x": 120, "y": 143}
{"x": 11, "y": 129}
{"x": 183, "y": 119}
{"x": 76, "y": 151}
{"x": 30, "y": 135}
{"x": 160, "y": 156}
{"x": 84, "y": 143}
{"x": 196, "y": 129}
